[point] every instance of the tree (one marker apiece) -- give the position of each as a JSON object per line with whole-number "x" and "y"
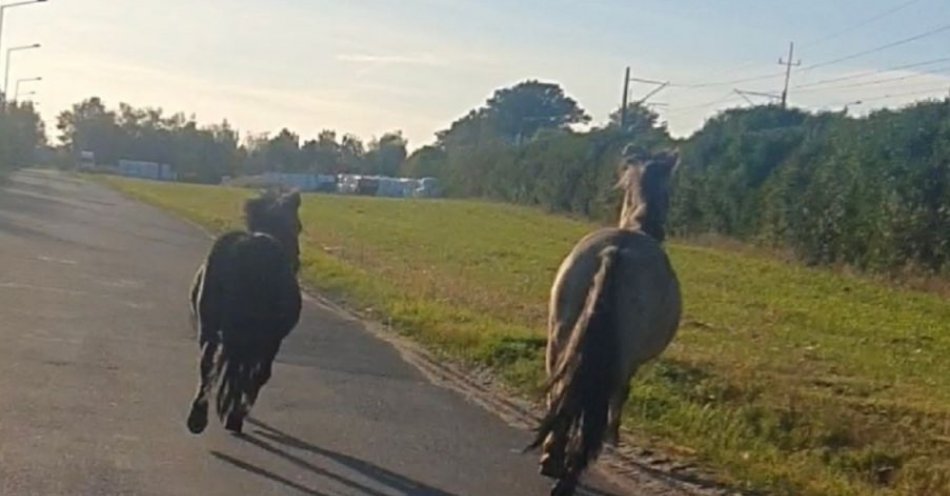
{"x": 386, "y": 155}
{"x": 473, "y": 130}
{"x": 89, "y": 126}
{"x": 513, "y": 116}
{"x": 519, "y": 112}
{"x": 283, "y": 152}
{"x": 21, "y": 135}
{"x": 197, "y": 154}
{"x": 255, "y": 159}
{"x": 352, "y": 153}
{"x": 323, "y": 154}
{"x": 639, "y": 118}
{"x": 428, "y": 161}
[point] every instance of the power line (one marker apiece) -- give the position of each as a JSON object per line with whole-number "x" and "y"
{"x": 874, "y": 82}
{"x": 808, "y": 68}
{"x": 862, "y": 53}
{"x": 789, "y": 63}
{"x": 745, "y": 65}
{"x": 823, "y": 39}
{"x": 896, "y": 95}
{"x": 730, "y": 82}
{"x": 746, "y": 94}
{"x": 863, "y": 23}
{"x": 730, "y": 95}
{"x": 892, "y": 44}
{"x": 911, "y": 93}
{"x": 871, "y": 73}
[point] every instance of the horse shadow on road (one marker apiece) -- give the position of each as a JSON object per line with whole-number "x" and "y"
{"x": 275, "y": 441}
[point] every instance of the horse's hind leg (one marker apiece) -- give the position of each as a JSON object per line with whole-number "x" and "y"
{"x": 235, "y": 420}
{"x": 198, "y": 416}
{"x": 553, "y": 452}
{"x": 614, "y": 413}
{"x": 555, "y": 445}
{"x": 256, "y": 382}
{"x": 206, "y": 316}
{"x": 565, "y": 487}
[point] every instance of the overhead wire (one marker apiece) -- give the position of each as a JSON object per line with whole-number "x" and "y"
{"x": 728, "y": 96}
{"x": 874, "y": 82}
{"x": 837, "y": 34}
{"x": 903, "y": 41}
{"x": 871, "y": 73}
{"x": 898, "y": 95}
{"x": 815, "y": 86}
{"x": 861, "y": 24}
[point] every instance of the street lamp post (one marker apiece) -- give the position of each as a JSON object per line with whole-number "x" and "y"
{"x": 9, "y": 6}
{"x": 6, "y": 71}
{"x": 16, "y": 91}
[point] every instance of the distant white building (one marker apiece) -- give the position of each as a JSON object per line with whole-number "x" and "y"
{"x": 87, "y": 160}
{"x": 301, "y": 181}
{"x": 429, "y": 187}
{"x": 146, "y": 170}
{"x": 392, "y": 187}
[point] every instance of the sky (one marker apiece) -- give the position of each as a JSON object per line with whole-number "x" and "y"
{"x": 371, "y": 66}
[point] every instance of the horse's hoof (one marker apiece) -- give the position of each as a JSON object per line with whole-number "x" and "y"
{"x": 235, "y": 424}
{"x": 198, "y": 418}
{"x": 564, "y": 488}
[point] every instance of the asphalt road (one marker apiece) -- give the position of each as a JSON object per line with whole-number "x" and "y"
{"x": 97, "y": 367}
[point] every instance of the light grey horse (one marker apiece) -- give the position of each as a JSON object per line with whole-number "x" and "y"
{"x": 615, "y": 304}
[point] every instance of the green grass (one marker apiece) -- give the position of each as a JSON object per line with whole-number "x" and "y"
{"x": 783, "y": 378}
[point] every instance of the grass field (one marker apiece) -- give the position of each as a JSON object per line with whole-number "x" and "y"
{"x": 783, "y": 378}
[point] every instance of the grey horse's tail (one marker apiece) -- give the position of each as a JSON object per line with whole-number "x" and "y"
{"x": 585, "y": 377}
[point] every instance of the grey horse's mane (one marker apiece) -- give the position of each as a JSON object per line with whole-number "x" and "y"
{"x": 645, "y": 183}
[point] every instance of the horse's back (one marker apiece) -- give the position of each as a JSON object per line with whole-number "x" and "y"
{"x": 647, "y": 295}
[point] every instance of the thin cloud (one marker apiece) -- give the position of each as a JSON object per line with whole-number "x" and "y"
{"x": 363, "y": 58}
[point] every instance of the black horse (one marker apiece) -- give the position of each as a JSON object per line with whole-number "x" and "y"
{"x": 245, "y": 300}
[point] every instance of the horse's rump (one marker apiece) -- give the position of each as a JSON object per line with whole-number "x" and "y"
{"x": 260, "y": 298}
{"x": 249, "y": 281}
{"x": 614, "y": 305}
{"x": 586, "y": 374}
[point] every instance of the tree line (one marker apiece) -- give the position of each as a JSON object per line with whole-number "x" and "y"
{"x": 207, "y": 154}
{"x": 872, "y": 192}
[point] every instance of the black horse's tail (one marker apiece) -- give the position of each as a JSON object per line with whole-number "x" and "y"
{"x": 586, "y": 375}
{"x": 244, "y": 370}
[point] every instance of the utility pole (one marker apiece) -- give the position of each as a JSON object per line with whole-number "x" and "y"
{"x": 788, "y": 71}
{"x": 623, "y": 100}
